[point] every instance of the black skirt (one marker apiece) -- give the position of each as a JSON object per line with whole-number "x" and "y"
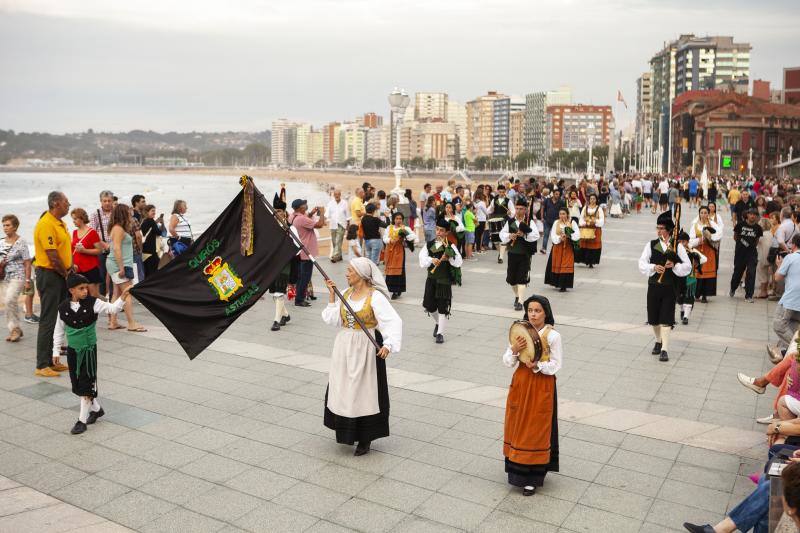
{"x": 560, "y": 281}
{"x": 363, "y": 428}
{"x": 661, "y": 299}
{"x": 397, "y": 282}
{"x": 438, "y": 297}
{"x": 518, "y": 270}
{"x": 706, "y": 287}
{"x": 280, "y": 283}
{"x": 84, "y": 379}
{"x": 589, "y": 257}
{"x": 521, "y": 475}
{"x": 663, "y": 199}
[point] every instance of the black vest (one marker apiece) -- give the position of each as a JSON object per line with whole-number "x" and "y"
{"x": 500, "y": 207}
{"x": 657, "y": 257}
{"x": 84, "y": 316}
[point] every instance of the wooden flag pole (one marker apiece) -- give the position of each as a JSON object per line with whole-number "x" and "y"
{"x": 299, "y": 243}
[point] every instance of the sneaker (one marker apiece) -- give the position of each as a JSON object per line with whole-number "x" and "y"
{"x": 46, "y": 372}
{"x": 33, "y": 319}
{"x": 765, "y": 420}
{"x": 528, "y": 491}
{"x": 78, "y": 428}
{"x": 94, "y": 415}
{"x": 774, "y": 354}
{"x": 749, "y": 382}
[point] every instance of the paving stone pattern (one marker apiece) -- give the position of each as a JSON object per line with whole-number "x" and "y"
{"x": 234, "y": 440}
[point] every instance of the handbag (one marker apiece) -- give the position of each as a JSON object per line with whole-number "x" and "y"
{"x": 587, "y": 234}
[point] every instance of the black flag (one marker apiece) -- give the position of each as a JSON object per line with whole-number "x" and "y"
{"x": 205, "y": 289}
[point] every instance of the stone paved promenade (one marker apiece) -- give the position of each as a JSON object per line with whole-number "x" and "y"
{"x": 234, "y": 440}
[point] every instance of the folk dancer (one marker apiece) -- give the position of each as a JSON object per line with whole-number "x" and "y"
{"x": 76, "y": 334}
{"x": 357, "y": 397}
{"x": 564, "y": 236}
{"x": 663, "y": 261}
{"x": 397, "y": 237}
{"x": 687, "y": 287}
{"x": 519, "y": 239}
{"x": 530, "y": 433}
{"x": 443, "y": 263}
{"x": 279, "y": 287}
{"x": 704, "y": 236}
{"x": 592, "y": 217}
{"x": 501, "y": 206}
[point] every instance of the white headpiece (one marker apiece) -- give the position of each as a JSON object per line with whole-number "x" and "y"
{"x": 370, "y": 272}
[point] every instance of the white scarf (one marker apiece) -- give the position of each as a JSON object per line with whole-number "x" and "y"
{"x": 370, "y": 272}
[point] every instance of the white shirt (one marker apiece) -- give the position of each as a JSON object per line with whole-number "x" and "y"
{"x": 389, "y": 322}
{"x": 647, "y": 186}
{"x": 548, "y": 368}
{"x": 663, "y": 187}
{"x": 695, "y": 241}
{"x": 425, "y": 259}
{"x": 681, "y": 269}
{"x": 599, "y": 217}
{"x": 483, "y": 211}
{"x": 555, "y": 238}
{"x": 100, "y": 306}
{"x": 531, "y": 236}
{"x": 411, "y": 237}
{"x": 338, "y": 213}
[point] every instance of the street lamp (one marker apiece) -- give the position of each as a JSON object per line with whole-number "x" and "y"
{"x": 398, "y": 100}
{"x": 750, "y": 164}
{"x": 719, "y": 162}
{"x": 590, "y": 163}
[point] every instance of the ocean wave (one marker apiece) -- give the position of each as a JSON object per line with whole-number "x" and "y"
{"x": 20, "y": 201}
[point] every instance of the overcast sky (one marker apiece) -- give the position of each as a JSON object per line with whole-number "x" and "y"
{"x": 180, "y": 65}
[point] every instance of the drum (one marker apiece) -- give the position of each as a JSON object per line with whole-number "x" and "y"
{"x": 495, "y": 225}
{"x": 533, "y": 343}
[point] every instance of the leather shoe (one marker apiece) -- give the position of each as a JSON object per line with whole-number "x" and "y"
{"x": 94, "y": 415}
{"x": 59, "y": 367}
{"x": 285, "y": 319}
{"x": 663, "y": 357}
{"x": 362, "y": 448}
{"x": 46, "y": 372}
{"x": 528, "y": 491}
{"x": 435, "y": 330}
{"x": 78, "y": 428}
{"x": 774, "y": 354}
{"x": 275, "y": 327}
{"x": 302, "y": 304}
{"x": 439, "y": 338}
{"x": 698, "y": 529}
{"x": 656, "y": 348}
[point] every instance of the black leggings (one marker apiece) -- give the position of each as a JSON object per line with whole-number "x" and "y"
{"x": 479, "y": 229}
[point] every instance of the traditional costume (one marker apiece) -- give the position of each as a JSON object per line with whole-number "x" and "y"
{"x": 591, "y": 223}
{"x": 441, "y": 278}
{"x": 357, "y": 397}
{"x": 662, "y": 289}
{"x": 396, "y": 239}
{"x": 560, "y": 270}
{"x": 530, "y": 434}
{"x": 501, "y": 207}
{"x": 520, "y": 250}
{"x": 280, "y": 285}
{"x": 76, "y": 332}
{"x": 705, "y": 238}
{"x": 687, "y": 287}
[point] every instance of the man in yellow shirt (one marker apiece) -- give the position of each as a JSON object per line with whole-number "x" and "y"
{"x": 357, "y": 207}
{"x": 734, "y": 196}
{"x": 53, "y": 251}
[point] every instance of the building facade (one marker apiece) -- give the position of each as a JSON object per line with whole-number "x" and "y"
{"x": 535, "y": 129}
{"x": 791, "y": 86}
{"x": 283, "y": 142}
{"x": 480, "y": 125}
{"x": 434, "y": 140}
{"x": 516, "y": 132}
{"x": 370, "y": 120}
{"x": 572, "y": 127}
{"x": 379, "y": 143}
{"x": 720, "y": 128}
{"x": 330, "y": 143}
{"x": 302, "y": 133}
{"x": 430, "y": 107}
{"x": 457, "y": 114}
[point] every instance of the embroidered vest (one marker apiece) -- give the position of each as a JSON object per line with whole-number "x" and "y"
{"x": 366, "y": 314}
{"x": 545, "y": 345}
{"x": 83, "y": 317}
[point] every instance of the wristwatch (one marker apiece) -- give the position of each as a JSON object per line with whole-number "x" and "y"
{"x": 777, "y": 428}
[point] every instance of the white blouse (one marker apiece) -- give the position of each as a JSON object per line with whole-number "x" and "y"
{"x": 389, "y": 322}
{"x": 548, "y": 368}
{"x": 555, "y": 238}
{"x": 532, "y": 236}
{"x": 425, "y": 259}
{"x": 100, "y": 306}
{"x": 681, "y": 269}
{"x": 411, "y": 237}
{"x": 695, "y": 241}
{"x": 599, "y": 220}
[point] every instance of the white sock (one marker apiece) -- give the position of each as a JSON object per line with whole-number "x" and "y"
{"x": 95, "y": 405}
{"x": 278, "y": 310}
{"x": 521, "y": 293}
{"x": 284, "y": 311}
{"x": 435, "y": 316}
{"x": 85, "y": 405}
{"x": 657, "y": 333}
{"x": 442, "y": 322}
{"x": 687, "y": 310}
{"x": 515, "y": 291}
{"x": 665, "y": 338}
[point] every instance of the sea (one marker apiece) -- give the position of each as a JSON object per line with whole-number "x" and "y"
{"x": 24, "y": 194}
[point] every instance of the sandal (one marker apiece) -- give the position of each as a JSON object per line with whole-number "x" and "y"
{"x": 139, "y": 329}
{"x": 115, "y": 327}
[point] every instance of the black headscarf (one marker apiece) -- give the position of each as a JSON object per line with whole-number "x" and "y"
{"x": 545, "y": 303}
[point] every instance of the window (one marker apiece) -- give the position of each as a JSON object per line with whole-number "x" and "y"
{"x": 731, "y": 142}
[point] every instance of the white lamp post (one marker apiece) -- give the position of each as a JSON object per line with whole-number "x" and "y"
{"x": 398, "y": 100}
{"x": 590, "y": 138}
{"x": 719, "y": 162}
{"x": 750, "y": 163}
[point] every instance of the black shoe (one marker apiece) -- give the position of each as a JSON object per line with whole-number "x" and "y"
{"x": 517, "y": 305}
{"x": 528, "y": 491}
{"x": 94, "y": 415}
{"x": 285, "y": 319}
{"x": 698, "y": 529}
{"x": 435, "y": 330}
{"x": 656, "y": 349}
{"x": 732, "y": 293}
{"x": 439, "y": 338}
{"x": 499, "y": 260}
{"x": 302, "y": 304}
{"x": 362, "y": 448}
{"x": 395, "y": 295}
{"x": 591, "y": 266}
{"x": 681, "y": 315}
{"x": 704, "y": 300}
{"x": 275, "y": 326}
{"x": 663, "y": 357}
{"x": 78, "y": 428}
{"x": 312, "y": 297}
{"x": 562, "y": 289}
{"x": 684, "y": 321}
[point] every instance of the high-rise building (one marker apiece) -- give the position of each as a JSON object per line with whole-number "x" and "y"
{"x": 330, "y": 143}
{"x": 283, "y": 142}
{"x": 378, "y": 143}
{"x": 516, "y": 132}
{"x": 503, "y": 108}
{"x": 370, "y": 120}
{"x": 430, "y": 107}
{"x": 644, "y": 111}
{"x": 480, "y": 125}
{"x": 315, "y": 147}
{"x": 435, "y": 140}
{"x": 535, "y": 130}
{"x": 457, "y": 114}
{"x": 694, "y": 63}
{"x": 569, "y": 126}
{"x": 353, "y": 142}
{"x": 302, "y": 131}
{"x": 791, "y": 86}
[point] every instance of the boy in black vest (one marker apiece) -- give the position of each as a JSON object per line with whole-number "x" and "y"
{"x": 501, "y": 207}
{"x": 76, "y": 333}
{"x": 663, "y": 261}
{"x": 443, "y": 262}
{"x": 519, "y": 238}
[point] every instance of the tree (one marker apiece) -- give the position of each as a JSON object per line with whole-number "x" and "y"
{"x": 256, "y": 155}
{"x": 431, "y": 164}
{"x": 524, "y": 159}
{"x": 417, "y": 162}
{"x": 482, "y": 162}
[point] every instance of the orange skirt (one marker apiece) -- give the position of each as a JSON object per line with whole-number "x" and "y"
{"x": 393, "y": 258}
{"x": 563, "y": 258}
{"x": 593, "y": 244}
{"x": 709, "y": 269}
{"x": 528, "y": 432}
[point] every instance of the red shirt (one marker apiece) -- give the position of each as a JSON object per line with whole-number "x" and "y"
{"x": 305, "y": 229}
{"x": 85, "y": 262}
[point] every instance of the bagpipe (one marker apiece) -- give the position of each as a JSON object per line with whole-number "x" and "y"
{"x": 671, "y": 253}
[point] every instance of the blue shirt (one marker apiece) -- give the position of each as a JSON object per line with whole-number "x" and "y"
{"x": 693, "y": 186}
{"x": 790, "y": 270}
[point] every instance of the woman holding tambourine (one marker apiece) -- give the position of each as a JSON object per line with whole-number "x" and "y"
{"x": 530, "y": 436}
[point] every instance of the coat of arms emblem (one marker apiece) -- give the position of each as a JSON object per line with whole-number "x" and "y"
{"x": 222, "y": 278}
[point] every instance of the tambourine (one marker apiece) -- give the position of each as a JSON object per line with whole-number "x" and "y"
{"x": 533, "y": 342}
